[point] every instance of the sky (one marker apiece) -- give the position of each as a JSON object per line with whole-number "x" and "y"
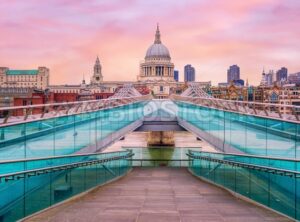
{"x": 67, "y": 35}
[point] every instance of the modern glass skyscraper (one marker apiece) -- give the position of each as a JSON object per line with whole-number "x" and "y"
{"x": 176, "y": 75}
{"x": 233, "y": 73}
{"x": 281, "y": 74}
{"x": 189, "y": 73}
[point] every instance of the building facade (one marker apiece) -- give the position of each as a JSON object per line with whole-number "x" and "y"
{"x": 36, "y": 78}
{"x": 23, "y": 97}
{"x": 189, "y": 73}
{"x": 284, "y": 95}
{"x": 294, "y": 78}
{"x": 157, "y": 65}
{"x": 80, "y": 92}
{"x": 267, "y": 79}
{"x": 157, "y": 70}
{"x": 282, "y": 74}
{"x": 176, "y": 75}
{"x": 97, "y": 77}
{"x": 238, "y": 82}
{"x": 229, "y": 92}
{"x": 233, "y": 73}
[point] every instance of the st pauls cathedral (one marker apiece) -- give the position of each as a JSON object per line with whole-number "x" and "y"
{"x": 157, "y": 70}
{"x": 156, "y": 76}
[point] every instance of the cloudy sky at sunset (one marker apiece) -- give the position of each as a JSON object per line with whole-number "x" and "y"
{"x": 67, "y": 35}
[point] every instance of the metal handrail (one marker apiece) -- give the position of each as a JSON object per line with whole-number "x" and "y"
{"x": 269, "y": 110}
{"x": 250, "y": 166}
{"x": 44, "y": 170}
{"x": 66, "y": 103}
{"x": 63, "y": 109}
{"x": 160, "y": 160}
{"x": 237, "y": 101}
{"x": 248, "y": 155}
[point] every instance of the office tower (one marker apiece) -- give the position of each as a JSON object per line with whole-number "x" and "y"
{"x": 281, "y": 75}
{"x": 189, "y": 73}
{"x": 233, "y": 73}
{"x": 176, "y": 75}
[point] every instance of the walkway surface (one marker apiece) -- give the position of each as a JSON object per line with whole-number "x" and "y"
{"x": 158, "y": 194}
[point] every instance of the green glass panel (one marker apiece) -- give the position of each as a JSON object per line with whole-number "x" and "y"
{"x": 37, "y": 197}
{"x": 282, "y": 194}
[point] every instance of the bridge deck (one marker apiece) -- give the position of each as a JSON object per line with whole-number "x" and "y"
{"x": 158, "y": 194}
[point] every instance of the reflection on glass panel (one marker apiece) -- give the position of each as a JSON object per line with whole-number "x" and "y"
{"x": 246, "y": 133}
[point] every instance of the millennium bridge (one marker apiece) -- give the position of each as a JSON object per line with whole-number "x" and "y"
{"x": 56, "y": 164}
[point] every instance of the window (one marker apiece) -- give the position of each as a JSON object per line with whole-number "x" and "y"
{"x": 161, "y": 88}
{"x": 274, "y": 97}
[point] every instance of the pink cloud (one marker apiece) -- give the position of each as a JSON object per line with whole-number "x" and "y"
{"x": 67, "y": 35}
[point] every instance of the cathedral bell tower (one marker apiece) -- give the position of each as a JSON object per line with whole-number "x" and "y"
{"x": 97, "y": 77}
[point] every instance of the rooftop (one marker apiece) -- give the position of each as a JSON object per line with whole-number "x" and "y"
{"x": 22, "y": 72}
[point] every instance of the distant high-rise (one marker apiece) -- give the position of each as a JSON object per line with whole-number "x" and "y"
{"x": 189, "y": 73}
{"x": 238, "y": 82}
{"x": 294, "y": 78}
{"x": 176, "y": 75}
{"x": 281, "y": 75}
{"x": 233, "y": 73}
{"x": 267, "y": 78}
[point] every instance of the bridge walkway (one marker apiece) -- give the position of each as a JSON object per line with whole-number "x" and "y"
{"x": 157, "y": 194}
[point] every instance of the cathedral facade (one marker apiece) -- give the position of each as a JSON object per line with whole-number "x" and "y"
{"x": 157, "y": 70}
{"x": 157, "y": 65}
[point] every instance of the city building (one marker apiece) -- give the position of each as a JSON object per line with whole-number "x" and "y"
{"x": 223, "y": 84}
{"x": 238, "y": 82}
{"x": 267, "y": 78}
{"x": 176, "y": 75}
{"x": 71, "y": 93}
{"x": 157, "y": 65}
{"x": 19, "y": 96}
{"x": 95, "y": 90}
{"x": 281, "y": 75}
{"x": 157, "y": 76}
{"x": 255, "y": 94}
{"x": 157, "y": 70}
{"x": 233, "y": 73}
{"x": 229, "y": 91}
{"x": 97, "y": 77}
{"x": 294, "y": 78}
{"x": 189, "y": 73}
{"x": 286, "y": 95}
{"x": 35, "y": 78}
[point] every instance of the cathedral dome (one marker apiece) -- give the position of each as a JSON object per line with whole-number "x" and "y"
{"x": 157, "y": 50}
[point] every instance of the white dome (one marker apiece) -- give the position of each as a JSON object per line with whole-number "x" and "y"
{"x": 157, "y": 51}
